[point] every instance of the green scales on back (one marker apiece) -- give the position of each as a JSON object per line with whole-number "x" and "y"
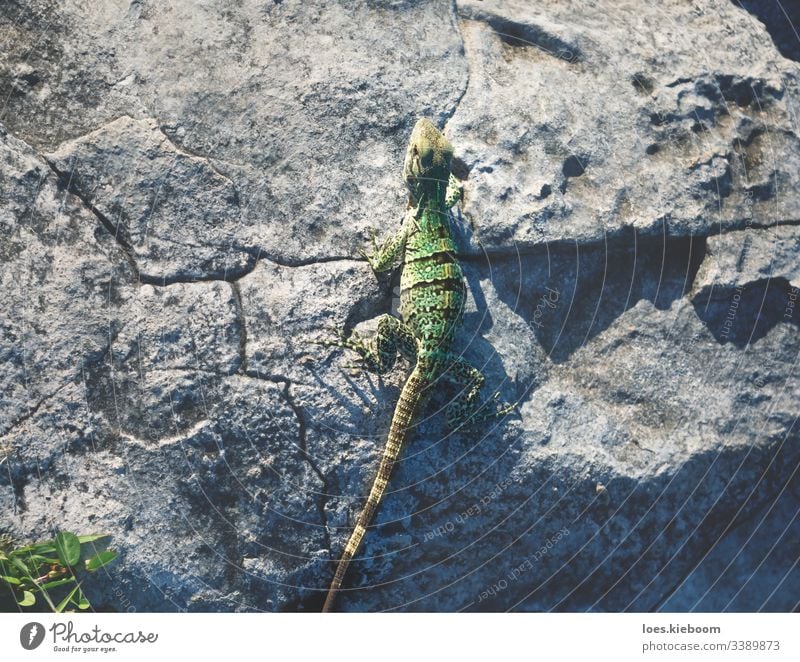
{"x": 432, "y": 295}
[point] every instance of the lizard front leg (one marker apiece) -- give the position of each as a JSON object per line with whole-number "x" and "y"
{"x": 454, "y": 192}
{"x": 384, "y": 257}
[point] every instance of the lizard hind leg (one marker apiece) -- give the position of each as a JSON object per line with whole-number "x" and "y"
{"x": 378, "y": 354}
{"x": 466, "y": 409}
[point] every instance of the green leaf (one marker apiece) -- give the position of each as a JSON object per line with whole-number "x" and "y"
{"x": 11, "y": 580}
{"x": 58, "y": 582}
{"x": 97, "y": 536}
{"x": 68, "y": 548}
{"x": 22, "y": 567}
{"x": 34, "y": 563}
{"x": 62, "y": 605}
{"x": 28, "y": 599}
{"x": 83, "y": 603}
{"x": 47, "y": 547}
{"x": 100, "y": 559}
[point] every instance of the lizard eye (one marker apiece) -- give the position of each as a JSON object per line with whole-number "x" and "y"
{"x": 416, "y": 160}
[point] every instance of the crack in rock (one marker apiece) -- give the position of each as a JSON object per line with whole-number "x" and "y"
{"x": 65, "y": 181}
{"x": 32, "y": 410}
{"x": 303, "y": 444}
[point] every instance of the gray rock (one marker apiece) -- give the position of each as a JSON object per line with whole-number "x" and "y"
{"x": 183, "y": 190}
{"x": 748, "y": 283}
{"x": 746, "y": 566}
{"x": 173, "y": 212}
{"x": 739, "y": 258}
{"x": 63, "y": 277}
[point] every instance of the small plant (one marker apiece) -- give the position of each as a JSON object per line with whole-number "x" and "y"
{"x": 53, "y": 564}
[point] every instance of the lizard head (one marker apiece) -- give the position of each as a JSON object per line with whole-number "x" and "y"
{"x": 427, "y": 166}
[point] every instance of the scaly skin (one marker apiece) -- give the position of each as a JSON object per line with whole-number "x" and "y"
{"x": 432, "y": 295}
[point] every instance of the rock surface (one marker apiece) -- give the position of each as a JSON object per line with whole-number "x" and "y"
{"x": 183, "y": 190}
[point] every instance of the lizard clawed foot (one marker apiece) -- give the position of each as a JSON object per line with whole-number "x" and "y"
{"x": 493, "y": 407}
{"x": 341, "y": 339}
{"x": 371, "y": 257}
{"x": 354, "y": 368}
{"x": 502, "y": 408}
{"x": 353, "y": 342}
{"x": 373, "y": 237}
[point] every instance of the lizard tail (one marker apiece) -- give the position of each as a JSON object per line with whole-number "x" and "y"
{"x": 398, "y": 432}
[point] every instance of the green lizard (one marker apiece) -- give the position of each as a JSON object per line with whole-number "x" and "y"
{"x": 432, "y": 295}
